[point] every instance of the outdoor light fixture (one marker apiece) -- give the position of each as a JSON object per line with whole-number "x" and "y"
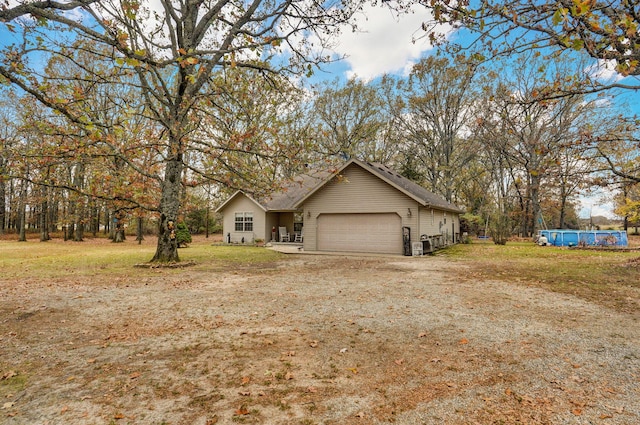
{"x": 408, "y": 212}
{"x": 308, "y": 214}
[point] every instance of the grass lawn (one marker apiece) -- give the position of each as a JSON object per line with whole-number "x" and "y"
{"x": 57, "y": 258}
{"x": 611, "y": 278}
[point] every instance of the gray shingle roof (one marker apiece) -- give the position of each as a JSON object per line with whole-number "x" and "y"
{"x": 411, "y": 188}
{"x": 287, "y": 198}
{"x": 292, "y": 195}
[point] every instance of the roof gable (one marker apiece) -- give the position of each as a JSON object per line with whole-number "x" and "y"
{"x": 404, "y": 185}
{"x": 409, "y": 187}
{"x": 237, "y": 194}
{"x": 288, "y": 196}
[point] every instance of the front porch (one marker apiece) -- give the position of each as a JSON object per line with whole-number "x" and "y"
{"x": 291, "y": 221}
{"x": 286, "y": 247}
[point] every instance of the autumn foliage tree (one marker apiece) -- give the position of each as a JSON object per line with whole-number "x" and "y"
{"x": 606, "y": 31}
{"x": 171, "y": 53}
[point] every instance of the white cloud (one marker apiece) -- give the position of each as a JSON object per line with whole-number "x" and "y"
{"x": 604, "y": 71}
{"x": 597, "y": 203}
{"x": 385, "y": 42}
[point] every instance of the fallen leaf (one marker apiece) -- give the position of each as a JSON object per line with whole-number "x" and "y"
{"x": 422, "y": 334}
{"x": 118, "y": 416}
{"x": 9, "y": 374}
{"x": 344, "y": 350}
{"x": 312, "y": 390}
{"x": 8, "y": 405}
{"x": 399, "y": 361}
{"x": 577, "y": 412}
{"x": 212, "y": 421}
{"x": 360, "y": 415}
{"x": 242, "y": 411}
{"x": 288, "y": 376}
{"x": 464, "y": 341}
{"x": 91, "y": 361}
{"x": 615, "y": 409}
{"x": 246, "y": 380}
{"x": 64, "y": 409}
{"x": 605, "y": 416}
{"x": 313, "y": 344}
{"x": 244, "y": 393}
{"x": 134, "y": 375}
{"x": 353, "y": 370}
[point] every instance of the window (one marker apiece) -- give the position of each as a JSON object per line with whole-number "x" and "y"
{"x": 244, "y": 222}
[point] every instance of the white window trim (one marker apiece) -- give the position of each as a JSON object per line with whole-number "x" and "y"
{"x": 244, "y": 215}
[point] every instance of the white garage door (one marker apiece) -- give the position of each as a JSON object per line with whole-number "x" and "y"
{"x": 378, "y": 233}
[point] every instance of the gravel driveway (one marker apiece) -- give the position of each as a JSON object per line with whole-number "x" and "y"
{"x": 313, "y": 340}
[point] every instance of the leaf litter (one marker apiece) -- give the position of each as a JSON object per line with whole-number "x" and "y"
{"x": 326, "y": 340}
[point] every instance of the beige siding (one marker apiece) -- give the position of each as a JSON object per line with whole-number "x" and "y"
{"x": 357, "y": 191}
{"x": 243, "y": 204}
{"x": 435, "y": 222}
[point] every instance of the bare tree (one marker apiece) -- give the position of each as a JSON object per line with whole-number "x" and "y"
{"x": 350, "y": 121}
{"x": 534, "y": 137}
{"x": 440, "y": 95}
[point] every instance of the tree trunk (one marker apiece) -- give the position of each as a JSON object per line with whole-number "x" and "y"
{"x": 95, "y": 219}
{"x": 44, "y": 215}
{"x": 107, "y": 222}
{"x": 206, "y": 222}
{"x": 22, "y": 213}
{"x": 71, "y": 231}
{"x": 80, "y": 204}
{"x": 79, "y": 236}
{"x": 118, "y": 234}
{"x": 3, "y": 205}
{"x": 118, "y": 227}
{"x": 53, "y": 208}
{"x": 536, "y": 212}
{"x": 140, "y": 236}
{"x": 167, "y": 249}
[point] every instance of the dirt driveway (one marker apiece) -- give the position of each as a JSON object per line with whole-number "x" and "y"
{"x": 313, "y": 340}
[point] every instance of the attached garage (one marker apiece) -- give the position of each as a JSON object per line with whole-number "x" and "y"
{"x": 373, "y": 232}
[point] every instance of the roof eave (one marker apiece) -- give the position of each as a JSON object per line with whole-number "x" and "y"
{"x": 237, "y": 193}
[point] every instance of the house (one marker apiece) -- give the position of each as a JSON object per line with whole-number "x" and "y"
{"x": 246, "y": 219}
{"x": 360, "y": 207}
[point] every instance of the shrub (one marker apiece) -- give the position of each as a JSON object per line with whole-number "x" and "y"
{"x": 500, "y": 228}
{"x": 183, "y": 236}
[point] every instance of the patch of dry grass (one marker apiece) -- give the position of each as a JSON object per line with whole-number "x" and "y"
{"x": 606, "y": 277}
{"x": 58, "y": 258}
